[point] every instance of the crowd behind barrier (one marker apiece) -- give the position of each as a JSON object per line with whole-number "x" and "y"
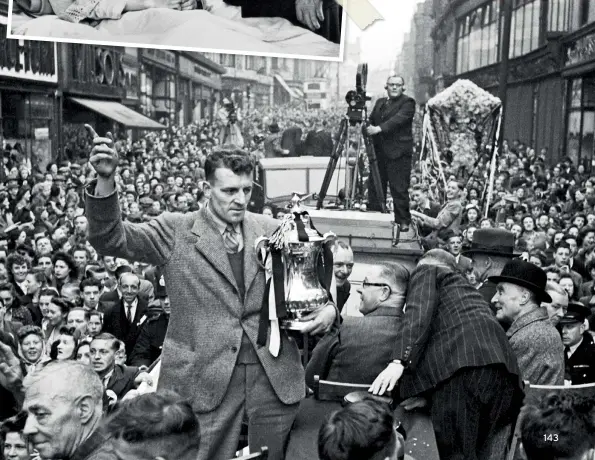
{"x": 60, "y": 301}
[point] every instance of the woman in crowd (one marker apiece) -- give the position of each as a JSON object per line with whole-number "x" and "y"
{"x": 31, "y": 348}
{"x": 65, "y": 346}
{"x": 56, "y": 316}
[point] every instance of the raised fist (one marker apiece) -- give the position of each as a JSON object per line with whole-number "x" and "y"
{"x": 104, "y": 157}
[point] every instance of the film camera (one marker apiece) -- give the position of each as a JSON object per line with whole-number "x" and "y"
{"x": 230, "y": 108}
{"x": 357, "y": 99}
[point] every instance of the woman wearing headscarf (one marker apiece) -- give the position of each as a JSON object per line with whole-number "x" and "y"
{"x": 31, "y": 349}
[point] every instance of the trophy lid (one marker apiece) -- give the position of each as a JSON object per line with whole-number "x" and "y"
{"x": 297, "y": 211}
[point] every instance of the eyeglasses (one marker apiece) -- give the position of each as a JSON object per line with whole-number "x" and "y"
{"x": 365, "y": 284}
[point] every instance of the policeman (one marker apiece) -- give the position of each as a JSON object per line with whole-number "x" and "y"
{"x": 578, "y": 345}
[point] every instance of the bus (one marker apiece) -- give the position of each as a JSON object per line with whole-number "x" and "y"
{"x": 316, "y": 94}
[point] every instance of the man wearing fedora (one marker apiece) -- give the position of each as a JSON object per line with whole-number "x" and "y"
{"x": 579, "y": 348}
{"x": 490, "y": 250}
{"x": 536, "y": 342}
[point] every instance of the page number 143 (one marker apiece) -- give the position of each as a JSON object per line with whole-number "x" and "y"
{"x": 550, "y": 437}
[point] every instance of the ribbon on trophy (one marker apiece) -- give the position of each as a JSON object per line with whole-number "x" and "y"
{"x": 270, "y": 253}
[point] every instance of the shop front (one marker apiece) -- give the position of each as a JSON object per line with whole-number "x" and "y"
{"x": 94, "y": 87}
{"x": 158, "y": 85}
{"x": 28, "y": 97}
{"x": 579, "y": 73}
{"x": 199, "y": 88}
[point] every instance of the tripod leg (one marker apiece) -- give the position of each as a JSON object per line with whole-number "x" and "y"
{"x": 332, "y": 164}
{"x": 374, "y": 168}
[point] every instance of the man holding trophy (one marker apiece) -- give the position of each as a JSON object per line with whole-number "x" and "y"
{"x": 213, "y": 353}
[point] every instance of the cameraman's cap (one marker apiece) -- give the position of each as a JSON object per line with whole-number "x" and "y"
{"x": 576, "y": 313}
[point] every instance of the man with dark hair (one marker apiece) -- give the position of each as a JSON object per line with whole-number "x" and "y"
{"x": 361, "y": 431}
{"x": 562, "y": 260}
{"x": 118, "y": 378}
{"x": 560, "y": 427}
{"x": 391, "y": 122}
{"x": 422, "y": 204}
{"x": 212, "y": 353}
{"x": 155, "y": 425}
{"x": 91, "y": 291}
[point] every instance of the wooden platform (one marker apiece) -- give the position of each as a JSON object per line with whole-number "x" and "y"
{"x": 370, "y": 234}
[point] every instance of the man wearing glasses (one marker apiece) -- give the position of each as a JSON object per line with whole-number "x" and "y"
{"x": 359, "y": 349}
{"x": 391, "y": 123}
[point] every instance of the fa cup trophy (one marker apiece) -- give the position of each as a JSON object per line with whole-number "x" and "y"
{"x": 298, "y": 261}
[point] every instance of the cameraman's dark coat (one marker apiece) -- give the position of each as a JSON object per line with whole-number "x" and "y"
{"x": 395, "y": 117}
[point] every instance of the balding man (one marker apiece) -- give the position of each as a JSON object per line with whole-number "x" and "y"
{"x": 359, "y": 349}
{"x": 391, "y": 123}
{"x": 342, "y": 267}
{"x": 64, "y": 405}
{"x": 451, "y": 350}
{"x": 125, "y": 318}
{"x": 556, "y": 309}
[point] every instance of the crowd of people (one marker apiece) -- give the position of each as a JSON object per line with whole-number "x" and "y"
{"x": 82, "y": 332}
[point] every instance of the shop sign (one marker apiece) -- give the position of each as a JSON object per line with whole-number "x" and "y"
{"x": 164, "y": 57}
{"x": 583, "y": 50}
{"x": 42, "y": 133}
{"x": 28, "y": 60}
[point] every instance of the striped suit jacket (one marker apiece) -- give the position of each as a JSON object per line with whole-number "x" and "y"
{"x": 208, "y": 316}
{"x": 447, "y": 326}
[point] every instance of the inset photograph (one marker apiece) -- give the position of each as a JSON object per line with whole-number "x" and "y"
{"x": 309, "y": 29}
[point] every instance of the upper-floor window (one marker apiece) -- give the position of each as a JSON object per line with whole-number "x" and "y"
{"x": 477, "y": 37}
{"x": 524, "y": 29}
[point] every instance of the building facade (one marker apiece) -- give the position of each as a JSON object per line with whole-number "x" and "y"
{"x": 550, "y": 91}
{"x": 29, "y": 97}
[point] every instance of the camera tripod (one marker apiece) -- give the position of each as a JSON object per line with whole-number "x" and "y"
{"x": 342, "y": 149}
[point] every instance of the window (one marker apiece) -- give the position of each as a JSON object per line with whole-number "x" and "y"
{"x": 275, "y": 63}
{"x": 560, "y": 13}
{"x": 477, "y": 37}
{"x": 580, "y": 135}
{"x": 26, "y": 120}
{"x": 524, "y": 30}
{"x": 250, "y": 63}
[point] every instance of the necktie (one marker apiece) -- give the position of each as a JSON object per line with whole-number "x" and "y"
{"x": 231, "y": 240}
{"x": 567, "y": 353}
{"x": 129, "y": 313}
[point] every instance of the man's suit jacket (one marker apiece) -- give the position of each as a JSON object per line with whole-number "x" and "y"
{"x": 396, "y": 120}
{"x": 115, "y": 323}
{"x": 107, "y": 300}
{"x": 292, "y": 140}
{"x": 538, "y": 348}
{"x": 208, "y": 316}
{"x": 358, "y": 351}
{"x": 122, "y": 380}
{"x": 149, "y": 344}
{"x": 447, "y": 326}
{"x": 580, "y": 367}
{"x": 318, "y": 144}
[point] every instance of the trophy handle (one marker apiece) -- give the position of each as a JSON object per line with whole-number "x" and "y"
{"x": 261, "y": 251}
{"x": 329, "y": 237}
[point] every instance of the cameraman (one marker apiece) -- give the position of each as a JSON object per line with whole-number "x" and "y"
{"x": 230, "y": 131}
{"x": 391, "y": 123}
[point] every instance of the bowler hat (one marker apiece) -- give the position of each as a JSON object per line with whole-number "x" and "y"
{"x": 492, "y": 241}
{"x": 525, "y": 274}
{"x": 576, "y": 313}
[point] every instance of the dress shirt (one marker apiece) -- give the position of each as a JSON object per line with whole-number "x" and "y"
{"x": 222, "y": 226}
{"x": 132, "y": 310}
{"x": 105, "y": 379}
{"x": 23, "y": 287}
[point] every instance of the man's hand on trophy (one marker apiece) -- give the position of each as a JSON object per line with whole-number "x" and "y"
{"x": 104, "y": 157}
{"x": 320, "y": 320}
{"x": 309, "y": 13}
{"x": 373, "y": 130}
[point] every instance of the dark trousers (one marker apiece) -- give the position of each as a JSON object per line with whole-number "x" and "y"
{"x": 470, "y": 407}
{"x": 397, "y": 174}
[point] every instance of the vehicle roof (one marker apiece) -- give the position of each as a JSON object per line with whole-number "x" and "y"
{"x": 298, "y": 163}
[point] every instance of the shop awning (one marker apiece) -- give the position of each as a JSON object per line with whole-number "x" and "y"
{"x": 119, "y": 113}
{"x": 285, "y": 86}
